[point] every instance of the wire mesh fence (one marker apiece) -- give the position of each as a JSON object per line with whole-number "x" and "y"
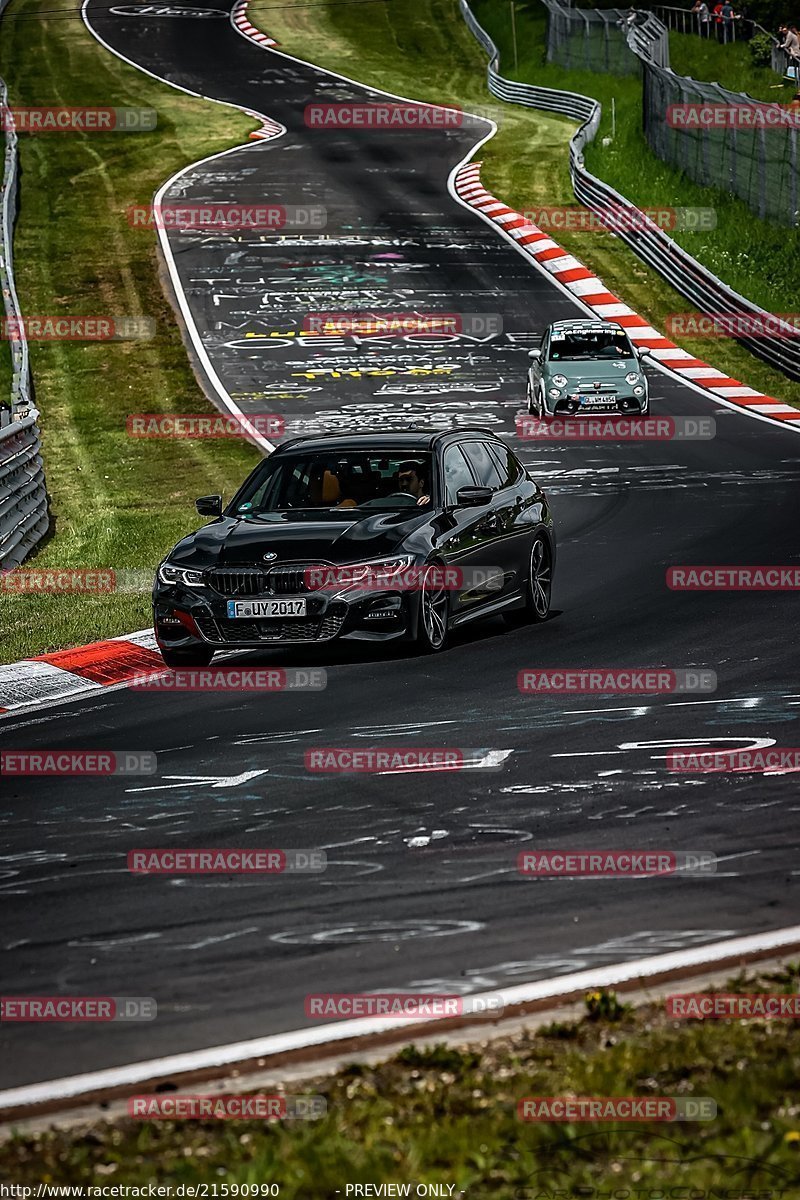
{"x": 718, "y": 138}
{"x": 686, "y": 274}
{"x": 590, "y": 39}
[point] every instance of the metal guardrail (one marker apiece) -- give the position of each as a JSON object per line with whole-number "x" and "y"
{"x": 690, "y": 278}
{"x": 24, "y": 517}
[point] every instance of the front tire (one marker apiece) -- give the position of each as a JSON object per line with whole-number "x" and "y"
{"x": 433, "y": 634}
{"x": 187, "y": 656}
{"x": 538, "y": 585}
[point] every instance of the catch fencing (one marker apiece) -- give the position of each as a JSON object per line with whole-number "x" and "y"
{"x": 700, "y": 286}
{"x": 718, "y": 138}
{"x": 24, "y": 518}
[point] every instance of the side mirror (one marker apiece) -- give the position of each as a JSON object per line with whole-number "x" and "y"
{"x": 472, "y": 497}
{"x": 534, "y": 354}
{"x": 209, "y": 506}
{"x": 642, "y": 351}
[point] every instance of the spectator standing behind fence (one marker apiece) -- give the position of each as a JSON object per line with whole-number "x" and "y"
{"x": 703, "y": 17}
{"x": 718, "y": 20}
{"x": 791, "y": 46}
{"x": 728, "y": 17}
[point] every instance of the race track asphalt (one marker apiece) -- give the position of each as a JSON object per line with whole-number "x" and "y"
{"x": 421, "y": 889}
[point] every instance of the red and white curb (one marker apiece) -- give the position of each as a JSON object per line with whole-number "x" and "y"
{"x": 591, "y": 291}
{"x": 269, "y": 128}
{"x": 240, "y": 20}
{"x": 86, "y": 669}
{"x": 304, "y": 1044}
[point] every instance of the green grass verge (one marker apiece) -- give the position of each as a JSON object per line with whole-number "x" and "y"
{"x": 765, "y": 267}
{"x": 116, "y": 502}
{"x": 448, "y": 1115}
{"x": 422, "y": 49}
{"x": 731, "y": 65}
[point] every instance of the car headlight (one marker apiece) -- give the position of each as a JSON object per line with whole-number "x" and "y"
{"x": 385, "y": 567}
{"x": 638, "y": 391}
{"x": 169, "y": 573}
{"x": 554, "y": 393}
{"x": 632, "y": 377}
{"x": 559, "y": 381}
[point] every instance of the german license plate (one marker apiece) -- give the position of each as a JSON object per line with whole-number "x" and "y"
{"x": 597, "y": 401}
{"x": 249, "y": 609}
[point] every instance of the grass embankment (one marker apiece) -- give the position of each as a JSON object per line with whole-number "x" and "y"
{"x": 448, "y": 1115}
{"x": 731, "y": 65}
{"x": 116, "y": 502}
{"x": 422, "y": 48}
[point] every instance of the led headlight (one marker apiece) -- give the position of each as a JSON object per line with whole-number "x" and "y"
{"x": 632, "y": 377}
{"x": 638, "y": 391}
{"x": 168, "y": 573}
{"x": 560, "y": 381}
{"x": 355, "y": 572}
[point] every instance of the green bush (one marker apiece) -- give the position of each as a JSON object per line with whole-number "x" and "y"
{"x": 761, "y": 50}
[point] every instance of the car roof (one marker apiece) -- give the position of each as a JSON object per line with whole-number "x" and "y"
{"x": 406, "y": 440}
{"x": 584, "y": 323}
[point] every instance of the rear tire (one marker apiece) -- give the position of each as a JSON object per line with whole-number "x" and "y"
{"x": 538, "y": 586}
{"x": 187, "y": 656}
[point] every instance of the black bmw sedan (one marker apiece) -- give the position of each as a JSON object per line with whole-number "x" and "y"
{"x": 371, "y": 536}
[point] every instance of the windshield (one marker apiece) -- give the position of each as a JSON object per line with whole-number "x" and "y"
{"x": 337, "y": 482}
{"x": 590, "y": 343}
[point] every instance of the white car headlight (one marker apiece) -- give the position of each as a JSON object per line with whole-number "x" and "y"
{"x": 559, "y": 381}
{"x": 638, "y": 391}
{"x": 632, "y": 377}
{"x": 554, "y": 393}
{"x": 356, "y": 572}
{"x": 169, "y": 573}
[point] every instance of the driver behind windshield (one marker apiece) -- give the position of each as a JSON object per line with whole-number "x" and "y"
{"x": 411, "y": 479}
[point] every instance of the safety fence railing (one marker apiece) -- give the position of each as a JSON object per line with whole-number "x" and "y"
{"x": 685, "y": 20}
{"x": 652, "y": 244}
{"x": 24, "y": 515}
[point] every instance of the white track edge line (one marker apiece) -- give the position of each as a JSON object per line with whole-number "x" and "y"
{"x": 183, "y": 303}
{"x": 227, "y": 1055}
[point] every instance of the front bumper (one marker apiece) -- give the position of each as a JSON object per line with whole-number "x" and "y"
{"x": 185, "y": 617}
{"x": 575, "y": 405}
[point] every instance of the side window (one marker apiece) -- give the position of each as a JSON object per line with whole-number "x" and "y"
{"x": 510, "y": 469}
{"x": 485, "y": 467}
{"x": 456, "y": 473}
